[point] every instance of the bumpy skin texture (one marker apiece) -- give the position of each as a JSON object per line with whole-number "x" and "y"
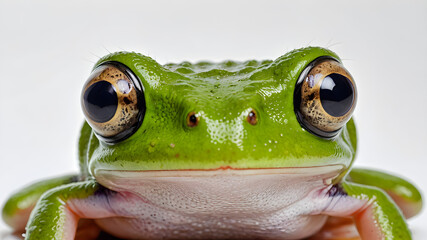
{"x": 222, "y": 95}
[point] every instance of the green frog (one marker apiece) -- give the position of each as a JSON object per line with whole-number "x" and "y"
{"x": 248, "y": 150}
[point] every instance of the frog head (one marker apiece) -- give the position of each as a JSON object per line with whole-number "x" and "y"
{"x": 292, "y": 112}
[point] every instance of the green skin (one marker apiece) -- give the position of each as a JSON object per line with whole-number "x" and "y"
{"x": 222, "y": 95}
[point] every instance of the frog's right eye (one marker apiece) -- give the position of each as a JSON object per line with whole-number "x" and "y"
{"x": 113, "y": 102}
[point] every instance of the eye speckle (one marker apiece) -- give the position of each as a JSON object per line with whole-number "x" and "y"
{"x": 127, "y": 101}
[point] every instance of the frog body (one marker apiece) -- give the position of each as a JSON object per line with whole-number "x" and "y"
{"x": 217, "y": 150}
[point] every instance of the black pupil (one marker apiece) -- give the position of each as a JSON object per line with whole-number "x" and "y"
{"x": 100, "y": 100}
{"x": 336, "y": 94}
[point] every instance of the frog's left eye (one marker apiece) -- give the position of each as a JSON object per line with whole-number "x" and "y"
{"x": 113, "y": 102}
{"x": 325, "y": 97}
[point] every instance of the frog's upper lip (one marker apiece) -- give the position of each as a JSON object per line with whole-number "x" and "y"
{"x": 224, "y": 170}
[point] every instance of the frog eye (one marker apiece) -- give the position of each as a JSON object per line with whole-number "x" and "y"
{"x": 325, "y": 97}
{"x": 113, "y": 102}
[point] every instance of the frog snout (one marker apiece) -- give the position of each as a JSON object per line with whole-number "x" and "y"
{"x": 250, "y": 115}
{"x": 224, "y": 127}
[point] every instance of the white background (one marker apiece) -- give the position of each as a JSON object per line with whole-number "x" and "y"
{"x": 47, "y": 49}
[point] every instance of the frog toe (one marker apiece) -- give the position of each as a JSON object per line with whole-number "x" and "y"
{"x": 337, "y": 228}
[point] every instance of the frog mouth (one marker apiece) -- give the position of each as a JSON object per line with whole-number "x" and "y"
{"x": 313, "y": 170}
{"x": 121, "y": 179}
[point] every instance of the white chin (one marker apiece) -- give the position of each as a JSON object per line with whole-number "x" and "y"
{"x": 265, "y": 203}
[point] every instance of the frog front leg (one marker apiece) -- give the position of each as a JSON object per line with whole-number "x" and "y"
{"x": 18, "y": 207}
{"x": 58, "y": 211}
{"x": 404, "y": 194}
{"x": 375, "y": 214}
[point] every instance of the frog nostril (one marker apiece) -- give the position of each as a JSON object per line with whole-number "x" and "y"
{"x": 252, "y": 117}
{"x": 192, "y": 119}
